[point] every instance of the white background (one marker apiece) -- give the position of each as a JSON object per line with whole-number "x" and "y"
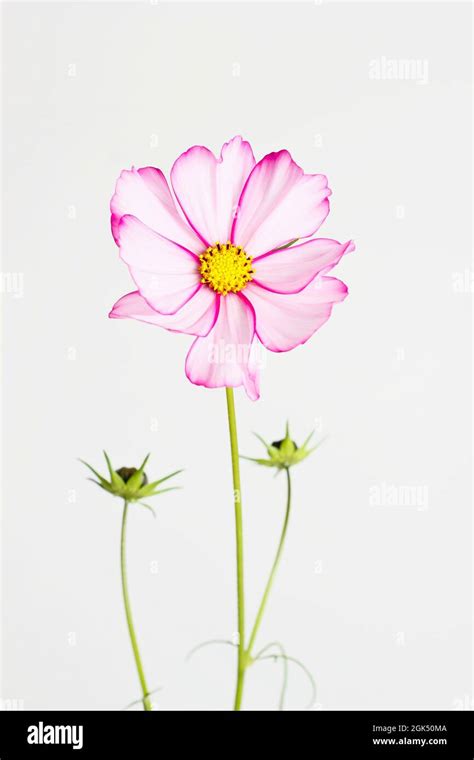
{"x": 376, "y": 600}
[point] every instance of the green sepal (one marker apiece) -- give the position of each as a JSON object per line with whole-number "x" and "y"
{"x": 164, "y": 490}
{"x": 148, "y": 489}
{"x": 263, "y": 462}
{"x": 103, "y": 482}
{"x": 104, "y": 487}
{"x": 115, "y": 479}
{"x": 262, "y": 440}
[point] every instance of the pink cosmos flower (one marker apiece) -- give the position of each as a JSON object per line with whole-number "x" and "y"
{"x": 214, "y": 260}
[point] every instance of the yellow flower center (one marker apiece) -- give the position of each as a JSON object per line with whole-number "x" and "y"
{"x": 226, "y": 268}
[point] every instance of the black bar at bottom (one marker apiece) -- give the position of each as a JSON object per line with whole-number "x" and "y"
{"x": 313, "y": 734}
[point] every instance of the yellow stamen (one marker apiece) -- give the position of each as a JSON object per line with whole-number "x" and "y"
{"x": 226, "y": 268}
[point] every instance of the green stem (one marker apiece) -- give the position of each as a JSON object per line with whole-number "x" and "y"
{"x": 128, "y": 612}
{"x": 276, "y": 562}
{"x": 234, "y": 448}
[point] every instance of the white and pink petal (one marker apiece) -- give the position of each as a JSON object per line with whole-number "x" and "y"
{"x": 208, "y": 189}
{"x": 279, "y": 203}
{"x": 292, "y": 269}
{"x": 166, "y": 274}
{"x": 284, "y": 321}
{"x": 196, "y": 317}
{"x": 225, "y": 357}
{"x": 145, "y": 193}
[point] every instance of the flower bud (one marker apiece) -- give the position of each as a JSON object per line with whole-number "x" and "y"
{"x": 127, "y": 472}
{"x": 130, "y": 483}
{"x": 285, "y": 453}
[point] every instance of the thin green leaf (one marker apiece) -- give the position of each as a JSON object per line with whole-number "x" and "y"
{"x": 281, "y": 703}
{"x": 303, "y": 668}
{"x": 142, "y": 504}
{"x": 101, "y": 479}
{"x": 140, "y": 701}
{"x": 206, "y": 644}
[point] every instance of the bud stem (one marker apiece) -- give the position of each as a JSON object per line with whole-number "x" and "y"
{"x": 276, "y": 562}
{"x": 234, "y": 448}
{"x": 128, "y": 612}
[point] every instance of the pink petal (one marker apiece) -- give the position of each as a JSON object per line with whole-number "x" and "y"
{"x": 166, "y": 274}
{"x": 144, "y": 193}
{"x": 225, "y": 356}
{"x": 285, "y": 321}
{"x": 292, "y": 269}
{"x": 279, "y": 203}
{"x": 252, "y": 377}
{"x": 208, "y": 189}
{"x": 196, "y": 317}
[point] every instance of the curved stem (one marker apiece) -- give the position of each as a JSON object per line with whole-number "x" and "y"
{"x": 276, "y": 562}
{"x": 284, "y": 659}
{"x": 234, "y": 448}
{"x": 300, "y": 665}
{"x": 128, "y": 611}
